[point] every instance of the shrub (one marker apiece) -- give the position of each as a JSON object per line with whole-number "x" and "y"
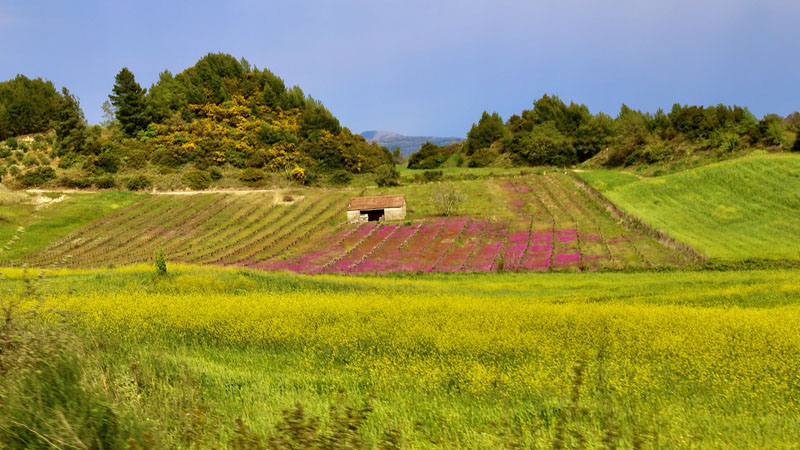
{"x": 251, "y": 175}
{"x": 215, "y": 173}
{"x": 197, "y": 180}
{"x": 298, "y": 174}
{"x": 75, "y": 183}
{"x": 341, "y": 178}
{"x": 30, "y": 160}
{"x": 161, "y": 264}
{"x": 432, "y": 175}
{"x": 4, "y": 152}
{"x": 796, "y": 146}
{"x": 106, "y": 182}
{"x": 138, "y": 183}
{"x": 12, "y": 143}
{"x": 447, "y": 199}
{"x": 13, "y": 170}
{"x": 483, "y": 157}
{"x": 108, "y": 162}
{"x": 38, "y": 176}
{"x": 387, "y": 175}
{"x": 429, "y": 156}
{"x": 44, "y": 160}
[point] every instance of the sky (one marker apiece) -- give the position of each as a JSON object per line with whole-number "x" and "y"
{"x": 428, "y": 67}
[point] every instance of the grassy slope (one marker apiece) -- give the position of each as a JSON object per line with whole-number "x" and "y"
{"x": 735, "y": 210}
{"x": 48, "y": 223}
{"x": 464, "y": 361}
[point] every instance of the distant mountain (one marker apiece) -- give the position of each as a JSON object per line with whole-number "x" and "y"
{"x": 407, "y": 144}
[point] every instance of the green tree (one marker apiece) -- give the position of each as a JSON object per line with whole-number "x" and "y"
{"x": 489, "y": 129}
{"x": 545, "y": 145}
{"x": 27, "y": 106}
{"x": 70, "y": 125}
{"x": 128, "y": 98}
{"x": 397, "y": 156}
{"x": 796, "y": 146}
{"x": 429, "y": 156}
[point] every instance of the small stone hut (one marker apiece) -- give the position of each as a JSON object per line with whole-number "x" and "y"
{"x": 368, "y": 209}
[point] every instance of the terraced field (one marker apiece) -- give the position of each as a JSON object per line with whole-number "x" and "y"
{"x": 534, "y": 223}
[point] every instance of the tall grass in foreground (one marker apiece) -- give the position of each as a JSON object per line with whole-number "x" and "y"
{"x": 652, "y": 360}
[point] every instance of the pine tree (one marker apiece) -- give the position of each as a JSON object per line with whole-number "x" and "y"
{"x": 71, "y": 125}
{"x": 129, "y": 101}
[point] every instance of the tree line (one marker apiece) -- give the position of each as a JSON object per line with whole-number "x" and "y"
{"x": 557, "y": 134}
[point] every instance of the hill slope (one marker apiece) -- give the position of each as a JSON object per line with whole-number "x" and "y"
{"x": 533, "y": 223}
{"x": 735, "y": 210}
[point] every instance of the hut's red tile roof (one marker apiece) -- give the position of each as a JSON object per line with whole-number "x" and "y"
{"x": 385, "y": 201}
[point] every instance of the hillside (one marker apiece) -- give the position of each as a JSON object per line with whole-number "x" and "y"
{"x": 735, "y": 210}
{"x": 407, "y": 144}
{"x": 531, "y": 223}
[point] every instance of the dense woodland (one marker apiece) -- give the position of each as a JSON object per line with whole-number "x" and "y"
{"x": 221, "y": 112}
{"x": 224, "y": 117}
{"x": 556, "y": 134}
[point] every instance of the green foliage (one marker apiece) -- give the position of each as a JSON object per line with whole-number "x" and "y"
{"x": 483, "y": 157}
{"x": 105, "y": 182}
{"x": 796, "y": 146}
{"x": 545, "y": 145}
{"x": 429, "y": 156}
{"x": 128, "y": 99}
{"x": 138, "y": 182}
{"x": 108, "y": 162}
{"x": 38, "y": 176}
{"x": 27, "y": 106}
{"x": 215, "y": 173}
{"x": 341, "y": 178}
{"x": 12, "y": 143}
{"x": 197, "y": 180}
{"x": 387, "y": 175}
{"x": 70, "y": 125}
{"x": 30, "y": 160}
{"x": 161, "y": 264}
{"x": 489, "y": 129}
{"x": 397, "y": 156}
{"x": 251, "y": 175}
{"x": 432, "y": 175}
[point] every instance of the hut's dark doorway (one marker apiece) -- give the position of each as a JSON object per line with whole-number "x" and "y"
{"x": 374, "y": 215}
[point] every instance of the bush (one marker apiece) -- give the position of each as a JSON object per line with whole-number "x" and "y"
{"x": 796, "y": 146}
{"x": 106, "y": 182}
{"x": 196, "y": 180}
{"x": 30, "y": 160}
{"x": 161, "y": 263}
{"x": 4, "y": 152}
{"x": 138, "y": 183}
{"x": 483, "y": 157}
{"x": 447, "y": 199}
{"x": 12, "y": 143}
{"x": 215, "y": 173}
{"x": 341, "y": 178}
{"x": 108, "y": 162}
{"x": 75, "y": 183}
{"x": 13, "y": 170}
{"x": 298, "y": 174}
{"x": 251, "y": 175}
{"x": 38, "y": 177}
{"x": 429, "y": 156}
{"x": 432, "y": 175}
{"x": 387, "y": 175}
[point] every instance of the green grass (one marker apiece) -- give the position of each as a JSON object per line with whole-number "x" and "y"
{"x": 747, "y": 208}
{"x": 44, "y": 224}
{"x": 675, "y": 360}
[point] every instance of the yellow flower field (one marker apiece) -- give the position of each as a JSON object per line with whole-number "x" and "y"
{"x": 714, "y": 366}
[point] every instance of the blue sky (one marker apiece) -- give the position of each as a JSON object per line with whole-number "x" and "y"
{"x": 428, "y": 67}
